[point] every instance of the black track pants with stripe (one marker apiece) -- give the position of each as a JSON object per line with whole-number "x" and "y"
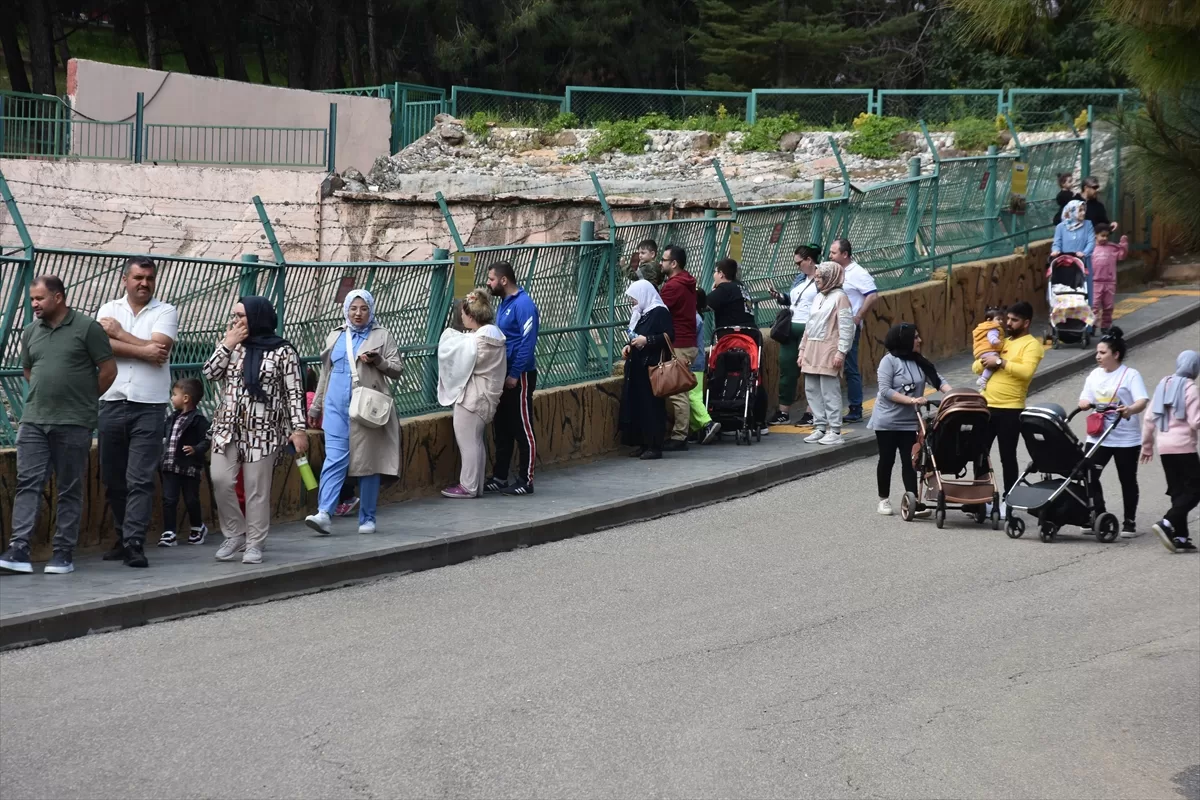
{"x": 514, "y": 425}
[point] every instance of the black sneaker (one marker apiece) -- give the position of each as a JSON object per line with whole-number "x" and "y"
{"x": 495, "y": 485}
{"x": 780, "y": 418}
{"x": 116, "y": 552}
{"x": 16, "y": 558}
{"x": 711, "y": 431}
{"x": 652, "y": 455}
{"x": 855, "y": 415}
{"x": 1166, "y": 535}
{"x": 1185, "y": 546}
{"x": 675, "y": 446}
{"x": 60, "y": 563}
{"x": 637, "y": 452}
{"x": 805, "y": 420}
{"x": 135, "y": 554}
{"x": 518, "y": 488}
{"x": 1128, "y": 529}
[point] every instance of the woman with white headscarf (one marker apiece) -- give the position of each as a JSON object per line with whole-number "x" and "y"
{"x": 471, "y": 370}
{"x": 365, "y": 347}
{"x": 1074, "y": 234}
{"x": 1174, "y": 420}
{"x": 643, "y": 419}
{"x": 827, "y": 339}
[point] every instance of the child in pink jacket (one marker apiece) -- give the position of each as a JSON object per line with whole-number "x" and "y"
{"x": 1174, "y": 419}
{"x": 1104, "y": 274}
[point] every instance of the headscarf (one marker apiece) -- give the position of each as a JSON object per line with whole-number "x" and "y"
{"x": 366, "y": 298}
{"x": 829, "y": 276}
{"x": 645, "y": 299}
{"x": 1172, "y": 390}
{"x": 1068, "y": 215}
{"x": 261, "y": 322}
{"x": 900, "y": 340}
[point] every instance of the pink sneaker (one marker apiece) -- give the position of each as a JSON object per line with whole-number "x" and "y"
{"x": 457, "y": 492}
{"x": 347, "y": 508}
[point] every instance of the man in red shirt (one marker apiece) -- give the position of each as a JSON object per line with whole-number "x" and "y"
{"x": 679, "y": 295}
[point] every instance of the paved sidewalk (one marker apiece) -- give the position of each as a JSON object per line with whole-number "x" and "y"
{"x": 421, "y": 534}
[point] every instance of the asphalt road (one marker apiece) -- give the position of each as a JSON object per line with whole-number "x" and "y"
{"x": 788, "y": 644}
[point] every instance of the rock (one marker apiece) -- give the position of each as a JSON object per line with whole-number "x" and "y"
{"x": 908, "y": 141}
{"x": 451, "y": 133}
{"x": 950, "y": 152}
{"x": 447, "y": 119}
{"x": 1004, "y": 137}
{"x": 565, "y": 139}
{"x": 332, "y": 183}
{"x": 355, "y": 186}
{"x": 352, "y": 174}
{"x": 790, "y": 141}
{"x": 703, "y": 141}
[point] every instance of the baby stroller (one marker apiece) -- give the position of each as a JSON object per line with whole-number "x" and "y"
{"x": 951, "y": 438}
{"x": 1071, "y": 317}
{"x": 1064, "y": 495}
{"x": 731, "y": 382}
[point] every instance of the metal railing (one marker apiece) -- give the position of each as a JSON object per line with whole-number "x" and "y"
{"x": 591, "y": 104}
{"x": 530, "y": 109}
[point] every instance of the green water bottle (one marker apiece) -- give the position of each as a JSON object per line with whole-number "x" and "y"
{"x": 306, "y": 473}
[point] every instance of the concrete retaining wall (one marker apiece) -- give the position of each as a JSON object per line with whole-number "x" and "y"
{"x": 108, "y": 92}
{"x": 579, "y": 422}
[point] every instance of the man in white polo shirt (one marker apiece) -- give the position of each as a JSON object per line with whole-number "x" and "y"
{"x": 141, "y": 330}
{"x": 860, "y": 288}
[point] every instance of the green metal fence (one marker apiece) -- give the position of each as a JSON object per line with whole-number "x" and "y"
{"x": 827, "y": 108}
{"x": 938, "y": 107}
{"x": 882, "y": 223}
{"x": 594, "y": 105}
{"x": 236, "y": 146}
{"x": 531, "y": 109}
{"x": 1042, "y": 109}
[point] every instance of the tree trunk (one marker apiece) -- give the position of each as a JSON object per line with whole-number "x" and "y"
{"x": 353, "y": 54}
{"x": 60, "y": 39}
{"x": 231, "y": 48}
{"x": 12, "y": 49}
{"x": 781, "y": 49}
{"x": 326, "y": 71}
{"x": 41, "y": 54}
{"x": 263, "y": 65}
{"x": 373, "y": 44}
{"x": 153, "y": 50}
{"x": 299, "y": 39}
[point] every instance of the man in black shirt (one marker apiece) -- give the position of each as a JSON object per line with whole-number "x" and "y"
{"x": 1095, "y": 212}
{"x": 729, "y": 300}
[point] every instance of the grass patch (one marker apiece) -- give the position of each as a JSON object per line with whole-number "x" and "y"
{"x": 765, "y": 133}
{"x": 874, "y": 136}
{"x": 974, "y": 134}
{"x": 626, "y": 136}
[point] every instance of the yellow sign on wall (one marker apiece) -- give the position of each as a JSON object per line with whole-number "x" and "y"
{"x": 1020, "y": 177}
{"x": 464, "y": 274}
{"x": 735, "y": 242}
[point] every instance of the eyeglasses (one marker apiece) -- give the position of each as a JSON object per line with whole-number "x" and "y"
{"x": 236, "y": 315}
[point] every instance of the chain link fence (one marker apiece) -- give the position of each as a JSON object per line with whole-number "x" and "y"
{"x": 937, "y": 108}
{"x": 510, "y": 107}
{"x": 594, "y": 105}
{"x": 832, "y": 109}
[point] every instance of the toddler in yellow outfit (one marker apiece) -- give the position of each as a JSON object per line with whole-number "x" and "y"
{"x": 989, "y": 338}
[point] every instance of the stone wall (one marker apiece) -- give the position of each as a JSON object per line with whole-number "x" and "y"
{"x": 578, "y": 422}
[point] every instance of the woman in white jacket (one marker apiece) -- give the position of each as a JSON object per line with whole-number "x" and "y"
{"x": 471, "y": 370}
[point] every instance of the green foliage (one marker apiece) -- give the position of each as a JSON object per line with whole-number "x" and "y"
{"x": 765, "y": 133}
{"x": 480, "y": 123}
{"x": 720, "y": 123}
{"x": 874, "y": 136}
{"x": 625, "y": 136}
{"x": 561, "y": 123}
{"x": 973, "y": 134}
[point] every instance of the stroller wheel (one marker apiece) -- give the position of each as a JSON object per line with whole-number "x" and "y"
{"x": 995, "y": 519}
{"x": 980, "y": 515}
{"x": 908, "y": 506}
{"x": 1015, "y": 528}
{"x": 1107, "y": 527}
{"x": 1049, "y": 532}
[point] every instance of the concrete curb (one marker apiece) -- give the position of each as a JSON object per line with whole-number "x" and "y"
{"x": 291, "y": 580}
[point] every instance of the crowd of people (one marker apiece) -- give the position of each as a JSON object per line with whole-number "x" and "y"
{"x": 112, "y": 374}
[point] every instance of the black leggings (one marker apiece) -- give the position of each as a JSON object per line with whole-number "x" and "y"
{"x": 1183, "y": 487}
{"x": 889, "y": 443}
{"x": 1127, "y": 464}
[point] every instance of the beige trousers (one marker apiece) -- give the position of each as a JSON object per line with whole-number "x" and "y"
{"x": 256, "y": 480}
{"x": 680, "y": 404}
{"x": 468, "y": 432}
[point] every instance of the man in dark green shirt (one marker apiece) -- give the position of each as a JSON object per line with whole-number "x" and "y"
{"x": 68, "y": 363}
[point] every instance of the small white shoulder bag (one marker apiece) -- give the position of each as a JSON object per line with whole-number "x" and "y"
{"x": 368, "y": 408}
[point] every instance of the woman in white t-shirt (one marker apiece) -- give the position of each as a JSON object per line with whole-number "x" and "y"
{"x": 1117, "y": 389}
{"x": 799, "y": 299}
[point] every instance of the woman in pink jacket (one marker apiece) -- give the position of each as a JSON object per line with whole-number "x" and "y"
{"x": 827, "y": 339}
{"x": 1174, "y": 419}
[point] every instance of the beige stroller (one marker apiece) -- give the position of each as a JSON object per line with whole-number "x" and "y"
{"x": 950, "y": 440}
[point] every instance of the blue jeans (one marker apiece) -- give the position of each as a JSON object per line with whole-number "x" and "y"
{"x": 853, "y": 376}
{"x": 40, "y": 449}
{"x": 333, "y": 475}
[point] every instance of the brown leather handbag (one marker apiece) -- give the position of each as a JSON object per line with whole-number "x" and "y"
{"x": 672, "y": 375}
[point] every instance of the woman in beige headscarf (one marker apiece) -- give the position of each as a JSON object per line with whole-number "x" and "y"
{"x": 827, "y": 339}
{"x": 471, "y": 369}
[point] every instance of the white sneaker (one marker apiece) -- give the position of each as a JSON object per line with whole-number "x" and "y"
{"x": 367, "y": 527}
{"x": 320, "y": 522}
{"x": 764, "y": 431}
{"x": 885, "y": 507}
{"x": 815, "y": 436}
{"x": 831, "y": 438}
{"x": 253, "y": 556}
{"x": 231, "y": 546}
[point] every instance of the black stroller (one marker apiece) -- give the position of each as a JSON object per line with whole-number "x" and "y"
{"x": 732, "y": 383}
{"x": 1065, "y": 493}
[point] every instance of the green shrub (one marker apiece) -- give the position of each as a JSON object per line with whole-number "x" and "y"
{"x": 626, "y": 136}
{"x": 873, "y": 136}
{"x": 658, "y": 121}
{"x": 765, "y": 133}
{"x": 973, "y": 133}
{"x": 560, "y": 123}
{"x": 480, "y": 123}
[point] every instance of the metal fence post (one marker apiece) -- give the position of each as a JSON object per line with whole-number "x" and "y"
{"x": 816, "y": 235}
{"x": 708, "y": 256}
{"x": 139, "y": 119}
{"x": 1085, "y": 154}
{"x": 566, "y": 104}
{"x": 585, "y": 280}
{"x": 458, "y": 242}
{"x": 331, "y": 138}
{"x": 752, "y": 108}
{"x": 989, "y": 195}
{"x": 914, "y": 210}
{"x": 249, "y": 280}
{"x": 725, "y": 187}
{"x": 441, "y": 300}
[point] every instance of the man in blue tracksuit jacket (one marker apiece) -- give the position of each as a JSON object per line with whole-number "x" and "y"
{"x": 517, "y": 318}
